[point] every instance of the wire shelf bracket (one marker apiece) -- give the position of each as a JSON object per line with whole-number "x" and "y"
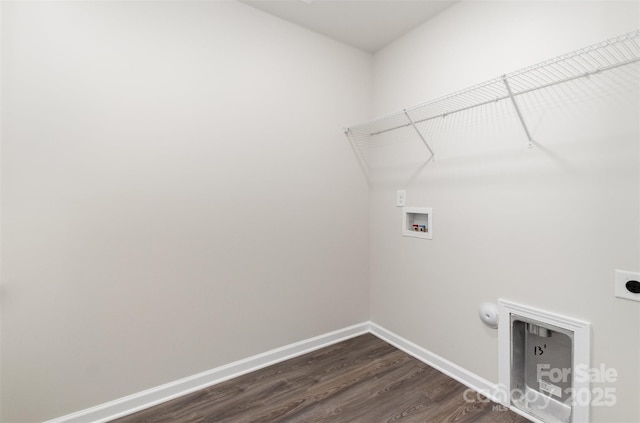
{"x": 518, "y": 112}
{"x": 433, "y": 155}
{"x": 610, "y": 54}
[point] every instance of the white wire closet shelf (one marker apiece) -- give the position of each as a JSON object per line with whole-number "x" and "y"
{"x": 601, "y": 57}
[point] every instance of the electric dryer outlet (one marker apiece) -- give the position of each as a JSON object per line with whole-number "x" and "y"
{"x": 627, "y": 285}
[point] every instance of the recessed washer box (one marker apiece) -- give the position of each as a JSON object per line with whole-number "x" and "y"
{"x": 417, "y": 222}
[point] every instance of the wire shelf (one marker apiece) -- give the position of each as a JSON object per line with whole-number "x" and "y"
{"x": 601, "y": 57}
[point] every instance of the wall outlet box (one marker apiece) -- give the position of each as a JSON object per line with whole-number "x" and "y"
{"x": 401, "y": 198}
{"x": 626, "y": 285}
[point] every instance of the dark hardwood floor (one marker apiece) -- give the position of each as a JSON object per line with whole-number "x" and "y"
{"x": 363, "y": 379}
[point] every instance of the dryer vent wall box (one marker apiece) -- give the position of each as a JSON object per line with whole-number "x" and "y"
{"x": 417, "y": 222}
{"x": 539, "y": 353}
{"x": 543, "y": 358}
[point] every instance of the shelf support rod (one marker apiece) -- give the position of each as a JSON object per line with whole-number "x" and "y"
{"x": 433, "y": 156}
{"x": 515, "y": 105}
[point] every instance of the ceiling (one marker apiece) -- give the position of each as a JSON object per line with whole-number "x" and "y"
{"x": 365, "y": 24}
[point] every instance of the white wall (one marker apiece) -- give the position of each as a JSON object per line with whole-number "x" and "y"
{"x": 177, "y": 194}
{"x": 544, "y": 227}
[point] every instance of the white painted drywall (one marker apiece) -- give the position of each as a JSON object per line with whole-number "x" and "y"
{"x": 176, "y": 191}
{"x": 544, "y": 227}
{"x": 177, "y": 194}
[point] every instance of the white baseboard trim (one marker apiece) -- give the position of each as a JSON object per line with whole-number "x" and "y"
{"x": 447, "y": 367}
{"x": 154, "y": 396}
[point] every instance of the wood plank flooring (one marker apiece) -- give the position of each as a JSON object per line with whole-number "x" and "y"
{"x": 363, "y": 379}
